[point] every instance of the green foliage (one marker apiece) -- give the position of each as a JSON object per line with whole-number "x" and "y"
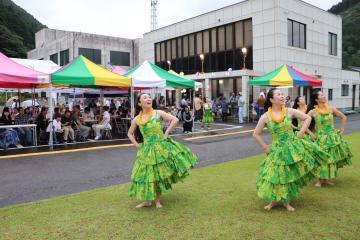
{"x": 350, "y": 13}
{"x": 17, "y": 30}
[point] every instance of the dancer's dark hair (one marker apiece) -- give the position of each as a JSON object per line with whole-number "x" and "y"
{"x": 313, "y": 97}
{"x": 138, "y": 136}
{"x": 296, "y": 106}
{"x": 269, "y": 95}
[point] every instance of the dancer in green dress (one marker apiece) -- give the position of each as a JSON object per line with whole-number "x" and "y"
{"x": 207, "y": 118}
{"x": 292, "y": 162}
{"x": 328, "y": 137}
{"x": 300, "y": 105}
{"x": 160, "y": 161}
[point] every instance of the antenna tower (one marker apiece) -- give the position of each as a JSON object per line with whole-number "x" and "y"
{"x": 154, "y": 22}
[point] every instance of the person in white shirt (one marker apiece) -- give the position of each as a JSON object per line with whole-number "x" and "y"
{"x": 104, "y": 124}
{"x": 55, "y": 126}
{"x": 241, "y": 103}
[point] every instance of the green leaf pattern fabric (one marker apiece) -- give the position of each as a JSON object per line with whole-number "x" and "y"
{"x": 159, "y": 163}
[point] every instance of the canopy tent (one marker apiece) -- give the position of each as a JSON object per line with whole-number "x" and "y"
{"x": 83, "y": 73}
{"x": 44, "y": 66}
{"x": 119, "y": 70}
{"x": 149, "y": 75}
{"x": 286, "y": 76}
{"x": 15, "y": 75}
{"x": 197, "y": 84}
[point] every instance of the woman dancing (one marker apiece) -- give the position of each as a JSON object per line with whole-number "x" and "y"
{"x": 160, "y": 161}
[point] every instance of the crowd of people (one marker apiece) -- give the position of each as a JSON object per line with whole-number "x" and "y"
{"x": 76, "y": 121}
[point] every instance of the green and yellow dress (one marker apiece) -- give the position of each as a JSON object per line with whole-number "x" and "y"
{"x": 291, "y": 164}
{"x": 306, "y": 137}
{"x": 207, "y": 118}
{"x": 329, "y": 138}
{"x": 159, "y": 163}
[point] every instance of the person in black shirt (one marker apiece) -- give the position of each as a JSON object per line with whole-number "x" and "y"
{"x": 8, "y": 136}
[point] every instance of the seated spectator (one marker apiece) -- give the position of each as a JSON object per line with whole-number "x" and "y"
{"x": 14, "y": 113}
{"x": 8, "y": 136}
{"x": 84, "y": 130}
{"x": 88, "y": 115}
{"x": 25, "y": 132}
{"x": 66, "y": 123}
{"x": 56, "y": 127}
{"x": 41, "y": 120}
{"x": 105, "y": 123}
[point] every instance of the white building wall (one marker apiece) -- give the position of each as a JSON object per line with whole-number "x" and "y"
{"x": 49, "y": 41}
{"x": 270, "y": 40}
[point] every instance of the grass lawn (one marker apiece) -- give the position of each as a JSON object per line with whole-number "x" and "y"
{"x": 216, "y": 202}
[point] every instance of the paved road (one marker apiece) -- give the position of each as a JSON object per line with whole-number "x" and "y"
{"x": 27, "y": 179}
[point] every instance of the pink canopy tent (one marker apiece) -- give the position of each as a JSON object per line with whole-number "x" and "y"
{"x": 15, "y": 75}
{"x": 119, "y": 70}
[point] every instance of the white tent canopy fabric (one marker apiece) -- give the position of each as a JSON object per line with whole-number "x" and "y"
{"x": 44, "y": 66}
{"x": 144, "y": 76}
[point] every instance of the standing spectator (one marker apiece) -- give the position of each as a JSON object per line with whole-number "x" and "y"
{"x": 224, "y": 109}
{"x": 213, "y": 107}
{"x": 241, "y": 103}
{"x": 198, "y": 108}
{"x": 162, "y": 102}
{"x": 84, "y": 130}
{"x": 155, "y": 103}
{"x": 261, "y": 102}
{"x": 105, "y": 123}
{"x": 232, "y": 102}
{"x": 66, "y": 123}
{"x": 288, "y": 102}
{"x": 25, "y": 132}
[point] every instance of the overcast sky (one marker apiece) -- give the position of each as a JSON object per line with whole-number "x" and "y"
{"x": 123, "y": 18}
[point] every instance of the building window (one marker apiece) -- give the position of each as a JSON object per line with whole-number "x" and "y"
{"x": 344, "y": 90}
{"x": 119, "y": 58}
{"x": 330, "y": 94}
{"x": 220, "y": 45}
{"x": 296, "y": 34}
{"x": 332, "y": 44}
{"x": 93, "y": 55}
{"x": 54, "y": 58}
{"x": 64, "y": 57}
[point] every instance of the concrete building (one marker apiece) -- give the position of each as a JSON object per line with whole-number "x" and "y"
{"x": 274, "y": 32}
{"x": 63, "y": 46}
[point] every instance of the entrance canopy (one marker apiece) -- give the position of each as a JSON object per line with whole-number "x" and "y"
{"x": 286, "y": 76}
{"x": 149, "y": 75}
{"x": 15, "y": 75}
{"x": 83, "y": 73}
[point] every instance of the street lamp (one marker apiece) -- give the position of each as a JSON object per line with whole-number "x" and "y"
{"x": 202, "y": 62}
{"x": 169, "y": 63}
{"x": 244, "y": 52}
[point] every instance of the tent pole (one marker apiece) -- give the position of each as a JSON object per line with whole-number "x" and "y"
{"x": 101, "y": 100}
{"x": 51, "y": 141}
{"x": 193, "y": 103}
{"x": 132, "y": 99}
